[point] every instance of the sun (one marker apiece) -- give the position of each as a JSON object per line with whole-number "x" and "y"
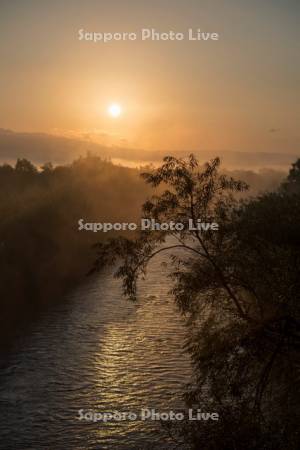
{"x": 114, "y": 110}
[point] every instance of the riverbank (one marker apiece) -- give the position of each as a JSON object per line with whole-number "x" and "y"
{"x": 42, "y": 254}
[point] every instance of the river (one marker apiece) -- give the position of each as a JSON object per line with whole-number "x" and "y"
{"x": 96, "y": 351}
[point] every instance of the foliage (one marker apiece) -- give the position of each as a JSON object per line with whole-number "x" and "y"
{"x": 238, "y": 288}
{"x": 42, "y": 253}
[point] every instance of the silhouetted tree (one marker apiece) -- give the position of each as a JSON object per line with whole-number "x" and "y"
{"x": 47, "y": 167}
{"x": 25, "y": 166}
{"x": 239, "y": 288}
{"x": 292, "y": 183}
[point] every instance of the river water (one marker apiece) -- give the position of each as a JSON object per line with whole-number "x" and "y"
{"x": 96, "y": 351}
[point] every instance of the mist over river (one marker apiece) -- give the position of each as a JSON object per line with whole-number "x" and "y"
{"x": 96, "y": 351}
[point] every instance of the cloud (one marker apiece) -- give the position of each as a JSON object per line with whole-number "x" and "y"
{"x": 41, "y": 147}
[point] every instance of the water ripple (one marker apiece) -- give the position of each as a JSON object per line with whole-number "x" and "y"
{"x": 100, "y": 352}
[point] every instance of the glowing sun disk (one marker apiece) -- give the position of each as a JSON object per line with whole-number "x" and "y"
{"x": 114, "y": 110}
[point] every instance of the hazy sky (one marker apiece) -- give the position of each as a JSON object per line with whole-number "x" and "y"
{"x": 238, "y": 93}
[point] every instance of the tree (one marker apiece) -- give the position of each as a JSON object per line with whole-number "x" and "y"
{"x": 193, "y": 195}
{"x": 238, "y": 288}
{"x": 47, "y": 168}
{"x": 292, "y": 183}
{"x": 25, "y": 166}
